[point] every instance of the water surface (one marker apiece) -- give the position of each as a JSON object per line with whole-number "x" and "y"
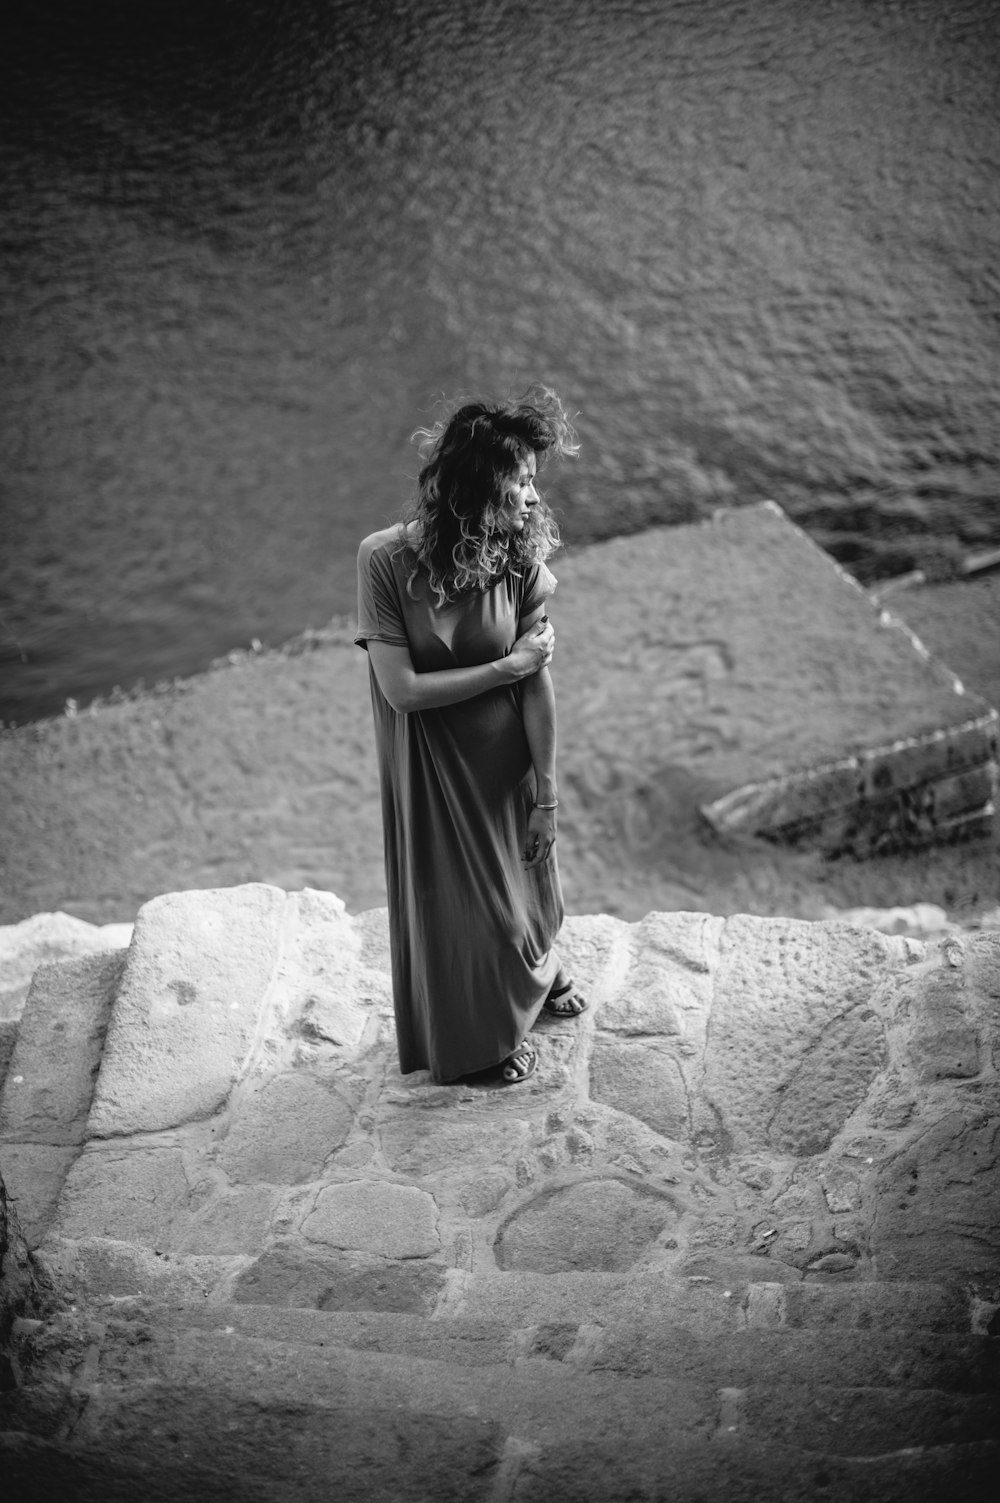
{"x": 246, "y": 248}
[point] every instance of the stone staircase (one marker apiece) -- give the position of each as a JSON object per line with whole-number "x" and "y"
{"x": 245, "y": 1400}
{"x": 738, "y": 1237}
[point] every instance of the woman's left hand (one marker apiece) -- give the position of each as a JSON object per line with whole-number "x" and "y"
{"x": 541, "y": 836}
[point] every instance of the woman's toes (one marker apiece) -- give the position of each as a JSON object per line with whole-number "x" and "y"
{"x": 519, "y": 1065}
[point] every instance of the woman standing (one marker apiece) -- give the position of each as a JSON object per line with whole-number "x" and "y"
{"x": 451, "y": 609}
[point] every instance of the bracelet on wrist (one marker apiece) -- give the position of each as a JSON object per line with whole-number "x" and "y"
{"x": 548, "y": 806}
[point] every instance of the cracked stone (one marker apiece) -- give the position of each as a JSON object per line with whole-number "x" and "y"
{"x": 793, "y": 1044}
{"x": 127, "y": 1194}
{"x": 643, "y": 1081}
{"x": 443, "y": 1141}
{"x": 840, "y": 1189}
{"x": 287, "y": 1277}
{"x": 600, "y": 1225}
{"x": 833, "y": 1263}
{"x": 939, "y": 1203}
{"x": 943, "y": 1042}
{"x": 392, "y": 1221}
{"x": 234, "y": 1223}
{"x": 486, "y": 1192}
{"x": 284, "y": 1131}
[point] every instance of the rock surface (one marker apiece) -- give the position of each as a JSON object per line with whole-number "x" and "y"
{"x": 48, "y": 936}
{"x": 21, "y": 1296}
{"x": 266, "y": 770}
{"x": 725, "y": 634}
{"x": 741, "y": 1227}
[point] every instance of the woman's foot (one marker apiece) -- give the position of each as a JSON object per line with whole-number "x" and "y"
{"x": 564, "y": 1001}
{"x": 519, "y": 1065}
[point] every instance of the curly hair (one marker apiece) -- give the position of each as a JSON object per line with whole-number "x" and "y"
{"x": 469, "y": 457}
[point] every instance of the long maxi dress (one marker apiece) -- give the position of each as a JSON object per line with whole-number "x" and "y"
{"x": 471, "y": 929}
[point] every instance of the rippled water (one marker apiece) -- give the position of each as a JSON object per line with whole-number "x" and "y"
{"x": 246, "y": 246}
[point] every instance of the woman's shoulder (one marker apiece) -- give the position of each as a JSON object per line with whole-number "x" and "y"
{"x": 538, "y": 579}
{"x": 388, "y": 541}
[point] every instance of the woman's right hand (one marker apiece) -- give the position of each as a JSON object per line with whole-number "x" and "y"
{"x": 533, "y": 650}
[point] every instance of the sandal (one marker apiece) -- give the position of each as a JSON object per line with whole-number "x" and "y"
{"x": 564, "y": 1002}
{"x": 519, "y": 1065}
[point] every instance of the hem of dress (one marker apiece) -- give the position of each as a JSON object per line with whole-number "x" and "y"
{"x": 481, "y": 1069}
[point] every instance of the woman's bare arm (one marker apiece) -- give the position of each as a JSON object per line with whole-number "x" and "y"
{"x": 407, "y": 690}
{"x": 538, "y": 704}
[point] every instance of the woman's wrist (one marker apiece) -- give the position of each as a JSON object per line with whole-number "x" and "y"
{"x": 546, "y": 794}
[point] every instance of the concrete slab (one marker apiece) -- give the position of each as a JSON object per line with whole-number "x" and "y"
{"x": 743, "y": 656}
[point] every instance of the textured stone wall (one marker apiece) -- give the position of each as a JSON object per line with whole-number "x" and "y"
{"x": 20, "y": 1293}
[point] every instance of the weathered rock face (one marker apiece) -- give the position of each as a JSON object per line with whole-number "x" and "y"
{"x": 47, "y": 937}
{"x": 753, "y": 1188}
{"x": 187, "y": 1010}
{"x": 811, "y": 1095}
{"x": 20, "y": 1293}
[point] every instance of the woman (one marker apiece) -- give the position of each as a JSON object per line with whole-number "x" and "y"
{"x": 451, "y": 609}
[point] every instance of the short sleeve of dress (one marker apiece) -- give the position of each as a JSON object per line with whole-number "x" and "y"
{"x": 380, "y": 612}
{"x": 539, "y": 584}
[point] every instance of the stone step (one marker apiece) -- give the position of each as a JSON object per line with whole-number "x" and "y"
{"x": 728, "y": 1468}
{"x": 42, "y": 939}
{"x": 239, "y": 1455}
{"x": 143, "y": 1369}
{"x": 310, "y": 1418}
{"x": 525, "y": 1297}
{"x": 48, "y": 1091}
{"x": 654, "y": 1344}
{"x": 862, "y": 1421}
{"x": 140, "y": 1364}
{"x": 850, "y": 1359}
{"x": 49, "y": 1086}
{"x": 232, "y": 1452}
{"x": 285, "y": 1278}
{"x": 875, "y": 1305}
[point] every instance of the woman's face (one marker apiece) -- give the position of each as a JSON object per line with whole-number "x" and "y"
{"x": 520, "y": 495}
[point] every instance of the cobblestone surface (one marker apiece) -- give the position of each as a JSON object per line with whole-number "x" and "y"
{"x": 755, "y": 1183}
